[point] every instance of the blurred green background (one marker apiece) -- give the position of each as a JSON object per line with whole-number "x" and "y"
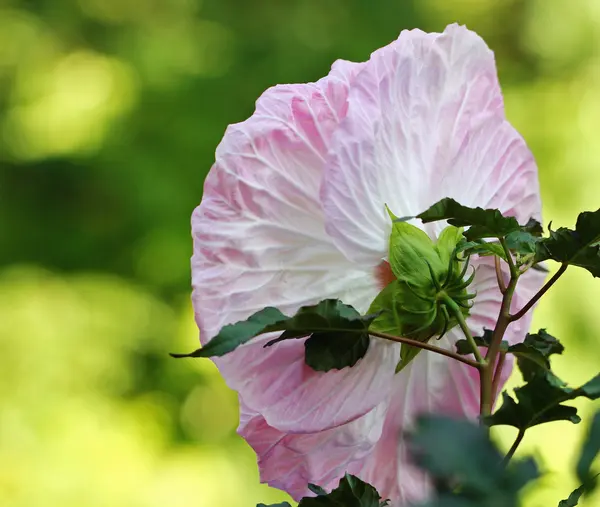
{"x": 110, "y": 112}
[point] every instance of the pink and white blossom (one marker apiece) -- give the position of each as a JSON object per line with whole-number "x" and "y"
{"x": 293, "y": 212}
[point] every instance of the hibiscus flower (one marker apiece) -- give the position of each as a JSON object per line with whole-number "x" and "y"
{"x": 294, "y": 212}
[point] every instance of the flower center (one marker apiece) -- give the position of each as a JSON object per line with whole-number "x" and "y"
{"x": 384, "y": 274}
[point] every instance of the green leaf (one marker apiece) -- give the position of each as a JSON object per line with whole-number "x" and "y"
{"x": 541, "y": 399}
{"x": 482, "y": 248}
{"x": 338, "y": 334}
{"x": 538, "y": 348}
{"x": 484, "y": 223}
{"x": 317, "y": 490}
{"x": 351, "y": 492}
{"x": 533, "y": 227}
{"x": 233, "y": 335}
{"x": 574, "y": 497}
{"x": 579, "y": 247}
{"x": 463, "y": 347}
{"x": 589, "y": 451}
{"x": 335, "y": 351}
{"x": 282, "y": 504}
{"x": 465, "y": 465}
{"x": 522, "y": 242}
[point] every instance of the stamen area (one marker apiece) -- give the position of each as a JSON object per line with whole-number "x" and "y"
{"x": 384, "y": 274}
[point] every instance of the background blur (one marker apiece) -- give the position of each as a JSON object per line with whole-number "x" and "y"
{"x": 110, "y": 112}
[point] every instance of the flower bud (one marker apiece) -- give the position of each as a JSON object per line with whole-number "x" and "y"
{"x": 422, "y": 302}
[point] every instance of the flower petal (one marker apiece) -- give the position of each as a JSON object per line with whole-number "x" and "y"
{"x": 430, "y": 384}
{"x": 259, "y": 240}
{"x": 425, "y": 121}
{"x": 290, "y": 461}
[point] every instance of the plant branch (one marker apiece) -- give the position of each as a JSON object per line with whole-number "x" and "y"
{"x": 539, "y": 294}
{"x": 513, "y": 448}
{"x": 426, "y": 346}
{"x": 487, "y": 373}
{"x": 498, "y": 374}
{"x": 499, "y": 275}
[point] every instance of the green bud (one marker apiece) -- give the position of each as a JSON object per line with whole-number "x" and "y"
{"x": 430, "y": 285}
{"x": 412, "y": 254}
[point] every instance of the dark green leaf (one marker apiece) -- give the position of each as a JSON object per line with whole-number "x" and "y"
{"x": 351, "y": 492}
{"x": 282, "y": 504}
{"x": 463, "y": 347}
{"x": 589, "y": 451}
{"x": 233, "y": 335}
{"x": 538, "y": 348}
{"x": 465, "y": 466}
{"x": 573, "y": 499}
{"x": 334, "y": 351}
{"x": 338, "y": 334}
{"x": 577, "y": 247}
{"x": 533, "y": 227}
{"x": 541, "y": 399}
{"x": 484, "y": 223}
{"x": 317, "y": 490}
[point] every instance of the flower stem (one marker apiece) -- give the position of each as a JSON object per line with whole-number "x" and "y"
{"x": 499, "y": 275}
{"x": 487, "y": 373}
{"x": 465, "y": 329}
{"x": 539, "y": 294}
{"x": 514, "y": 272}
{"x": 498, "y": 374}
{"x": 513, "y": 448}
{"x": 426, "y": 346}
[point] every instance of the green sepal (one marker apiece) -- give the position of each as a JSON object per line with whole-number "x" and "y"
{"x": 403, "y": 311}
{"x": 447, "y": 244}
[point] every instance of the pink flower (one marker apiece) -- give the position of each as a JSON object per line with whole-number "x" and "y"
{"x": 294, "y": 212}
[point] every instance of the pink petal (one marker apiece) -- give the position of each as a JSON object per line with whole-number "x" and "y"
{"x": 292, "y": 397}
{"x": 259, "y": 240}
{"x": 430, "y": 384}
{"x": 290, "y": 461}
{"x": 425, "y": 121}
